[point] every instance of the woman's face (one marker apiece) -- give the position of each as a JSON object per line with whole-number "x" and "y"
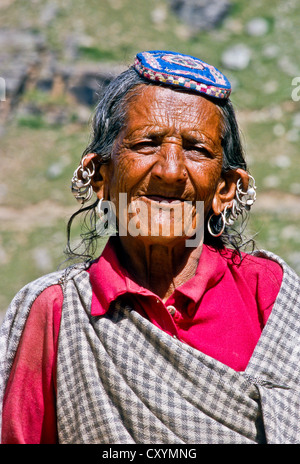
{"x": 169, "y": 153}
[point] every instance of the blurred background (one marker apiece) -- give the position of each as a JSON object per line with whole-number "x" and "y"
{"x": 54, "y": 57}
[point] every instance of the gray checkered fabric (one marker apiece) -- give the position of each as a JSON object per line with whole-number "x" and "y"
{"x": 13, "y": 324}
{"x": 125, "y": 381}
{"x": 122, "y": 380}
{"x": 275, "y": 363}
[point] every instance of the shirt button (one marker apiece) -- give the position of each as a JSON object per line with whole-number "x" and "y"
{"x": 171, "y": 309}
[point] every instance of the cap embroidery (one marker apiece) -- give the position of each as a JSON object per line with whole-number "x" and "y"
{"x": 175, "y": 69}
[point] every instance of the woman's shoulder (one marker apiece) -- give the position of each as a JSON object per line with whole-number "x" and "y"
{"x": 257, "y": 261}
{"x": 260, "y": 268}
{"x": 28, "y": 294}
{"x": 33, "y": 314}
{"x": 263, "y": 263}
{"x": 262, "y": 274}
{"x": 43, "y": 293}
{"x": 40, "y": 296}
{"x": 45, "y": 286}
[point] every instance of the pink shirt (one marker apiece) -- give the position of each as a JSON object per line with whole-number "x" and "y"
{"x": 221, "y": 311}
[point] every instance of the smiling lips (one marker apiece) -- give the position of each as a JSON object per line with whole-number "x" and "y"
{"x": 162, "y": 199}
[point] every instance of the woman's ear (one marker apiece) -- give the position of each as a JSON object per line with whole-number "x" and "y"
{"x": 100, "y": 178}
{"x": 226, "y": 189}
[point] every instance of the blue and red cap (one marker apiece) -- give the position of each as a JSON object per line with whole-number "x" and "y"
{"x": 179, "y": 70}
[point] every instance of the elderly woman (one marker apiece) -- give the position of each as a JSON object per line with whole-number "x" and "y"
{"x": 173, "y": 335}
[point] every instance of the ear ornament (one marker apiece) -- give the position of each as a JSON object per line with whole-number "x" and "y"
{"x": 81, "y": 182}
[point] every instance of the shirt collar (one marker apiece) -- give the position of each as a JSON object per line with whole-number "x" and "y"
{"x": 110, "y": 280}
{"x": 210, "y": 270}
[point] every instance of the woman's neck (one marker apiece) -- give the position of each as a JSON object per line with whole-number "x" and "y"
{"x": 160, "y": 268}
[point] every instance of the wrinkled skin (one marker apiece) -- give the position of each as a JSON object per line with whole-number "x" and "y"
{"x": 170, "y": 150}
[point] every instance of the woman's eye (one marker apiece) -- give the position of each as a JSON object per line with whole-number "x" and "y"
{"x": 144, "y": 146}
{"x": 198, "y": 150}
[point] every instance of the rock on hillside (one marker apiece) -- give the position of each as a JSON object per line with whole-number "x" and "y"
{"x": 201, "y": 14}
{"x": 27, "y": 63}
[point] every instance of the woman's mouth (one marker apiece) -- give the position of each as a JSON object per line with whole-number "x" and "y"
{"x": 163, "y": 199}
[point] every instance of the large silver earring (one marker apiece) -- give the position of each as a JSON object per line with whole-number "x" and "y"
{"x": 81, "y": 183}
{"x": 242, "y": 201}
{"x": 209, "y": 225}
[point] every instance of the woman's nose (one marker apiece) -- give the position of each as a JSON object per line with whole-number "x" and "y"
{"x": 170, "y": 166}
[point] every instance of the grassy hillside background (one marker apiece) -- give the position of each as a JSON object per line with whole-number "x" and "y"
{"x": 39, "y": 152}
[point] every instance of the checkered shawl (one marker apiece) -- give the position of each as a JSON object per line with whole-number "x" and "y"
{"x": 122, "y": 380}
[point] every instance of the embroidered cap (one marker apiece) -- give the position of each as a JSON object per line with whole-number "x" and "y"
{"x": 176, "y": 69}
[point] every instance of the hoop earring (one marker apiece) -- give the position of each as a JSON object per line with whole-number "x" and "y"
{"x": 81, "y": 183}
{"x": 242, "y": 201}
{"x": 230, "y": 215}
{"x": 249, "y": 196}
{"x": 222, "y": 228}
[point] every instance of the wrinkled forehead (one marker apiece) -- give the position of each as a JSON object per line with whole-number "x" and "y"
{"x": 152, "y": 105}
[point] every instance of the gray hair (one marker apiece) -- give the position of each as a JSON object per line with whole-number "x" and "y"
{"x": 109, "y": 119}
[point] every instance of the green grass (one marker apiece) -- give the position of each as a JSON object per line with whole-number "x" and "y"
{"x": 33, "y": 153}
{"x": 279, "y": 234}
{"x": 27, "y": 253}
{"x": 115, "y": 30}
{"x": 22, "y": 250}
